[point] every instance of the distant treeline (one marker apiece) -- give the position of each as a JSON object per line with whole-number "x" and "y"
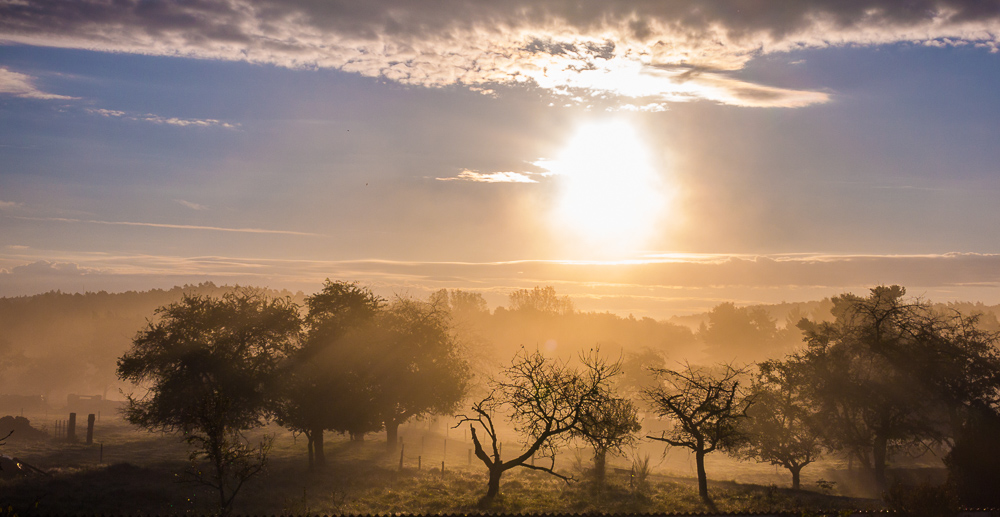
{"x": 55, "y": 344}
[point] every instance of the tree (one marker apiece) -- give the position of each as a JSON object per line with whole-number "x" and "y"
{"x": 545, "y": 401}
{"x": 366, "y": 366}
{"x": 780, "y": 424}
{"x": 891, "y": 374}
{"x": 608, "y": 425}
{"x": 417, "y": 368}
{"x": 735, "y": 332}
{"x": 209, "y": 365}
{"x": 323, "y": 384}
{"x": 706, "y": 409}
{"x": 541, "y": 300}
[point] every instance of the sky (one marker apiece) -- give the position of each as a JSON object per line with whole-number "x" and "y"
{"x": 642, "y": 157}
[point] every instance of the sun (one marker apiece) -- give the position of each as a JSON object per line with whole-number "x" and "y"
{"x": 610, "y": 200}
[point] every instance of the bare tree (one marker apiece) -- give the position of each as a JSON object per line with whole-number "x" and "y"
{"x": 609, "y": 425}
{"x": 705, "y": 407}
{"x": 545, "y": 401}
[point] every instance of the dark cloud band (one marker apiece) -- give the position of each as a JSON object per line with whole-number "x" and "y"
{"x": 640, "y": 50}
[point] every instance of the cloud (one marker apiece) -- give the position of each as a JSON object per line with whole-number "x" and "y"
{"x": 157, "y": 119}
{"x": 490, "y": 177}
{"x": 44, "y": 268}
{"x": 172, "y": 226}
{"x": 21, "y": 85}
{"x": 7, "y": 205}
{"x": 657, "y": 286}
{"x": 192, "y": 206}
{"x": 647, "y": 50}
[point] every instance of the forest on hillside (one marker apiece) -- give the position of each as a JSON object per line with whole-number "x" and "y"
{"x": 56, "y": 344}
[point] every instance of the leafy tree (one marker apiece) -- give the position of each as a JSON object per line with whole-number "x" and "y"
{"x": 706, "y": 409}
{"x": 739, "y": 332}
{"x": 892, "y": 374}
{"x": 416, "y": 367}
{"x": 780, "y": 424}
{"x": 209, "y": 364}
{"x": 324, "y": 384}
{"x": 542, "y": 300}
{"x": 545, "y": 401}
{"x": 366, "y": 366}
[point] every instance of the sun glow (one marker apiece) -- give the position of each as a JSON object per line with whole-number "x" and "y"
{"x": 611, "y": 200}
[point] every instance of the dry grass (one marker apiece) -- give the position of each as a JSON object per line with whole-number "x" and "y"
{"x": 139, "y": 475}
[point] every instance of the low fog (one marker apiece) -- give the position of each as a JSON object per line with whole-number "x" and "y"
{"x": 863, "y": 396}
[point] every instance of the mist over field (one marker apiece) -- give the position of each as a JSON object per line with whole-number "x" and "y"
{"x": 527, "y": 256}
{"x": 64, "y": 353}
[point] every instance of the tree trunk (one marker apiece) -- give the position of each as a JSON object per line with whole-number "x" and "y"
{"x": 391, "y": 435}
{"x": 220, "y": 475}
{"x": 317, "y": 438}
{"x": 879, "y": 453}
{"x": 600, "y": 465}
{"x": 493, "y": 489}
{"x": 795, "y": 476}
{"x": 309, "y": 447}
{"x": 699, "y": 457}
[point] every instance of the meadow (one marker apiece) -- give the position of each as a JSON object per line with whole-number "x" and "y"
{"x": 128, "y": 471}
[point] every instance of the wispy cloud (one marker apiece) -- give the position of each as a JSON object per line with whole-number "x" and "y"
{"x": 647, "y": 51}
{"x": 7, "y": 205}
{"x": 192, "y": 206}
{"x": 490, "y": 177}
{"x": 171, "y": 226}
{"x": 157, "y": 119}
{"x": 22, "y": 85}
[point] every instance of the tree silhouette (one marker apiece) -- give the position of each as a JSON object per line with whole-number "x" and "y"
{"x": 545, "y": 401}
{"x": 324, "y": 385}
{"x": 706, "y": 409}
{"x": 209, "y": 365}
{"x": 610, "y": 424}
{"x": 890, "y": 373}
{"x": 780, "y": 427}
{"x": 416, "y": 366}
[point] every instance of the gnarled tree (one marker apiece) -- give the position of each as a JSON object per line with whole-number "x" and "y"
{"x": 545, "y": 401}
{"x": 705, "y": 407}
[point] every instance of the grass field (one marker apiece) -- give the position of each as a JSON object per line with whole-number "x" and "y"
{"x": 135, "y": 472}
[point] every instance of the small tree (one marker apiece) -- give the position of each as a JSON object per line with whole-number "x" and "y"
{"x": 780, "y": 425}
{"x": 209, "y": 364}
{"x": 706, "y": 409}
{"x": 545, "y": 401}
{"x": 609, "y": 425}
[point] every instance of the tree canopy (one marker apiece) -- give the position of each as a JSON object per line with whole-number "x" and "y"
{"x": 209, "y": 365}
{"x": 891, "y": 373}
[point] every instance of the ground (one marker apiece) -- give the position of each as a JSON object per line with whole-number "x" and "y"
{"x": 127, "y": 471}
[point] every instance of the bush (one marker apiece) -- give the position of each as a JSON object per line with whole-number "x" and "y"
{"x": 974, "y": 461}
{"x": 923, "y": 500}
